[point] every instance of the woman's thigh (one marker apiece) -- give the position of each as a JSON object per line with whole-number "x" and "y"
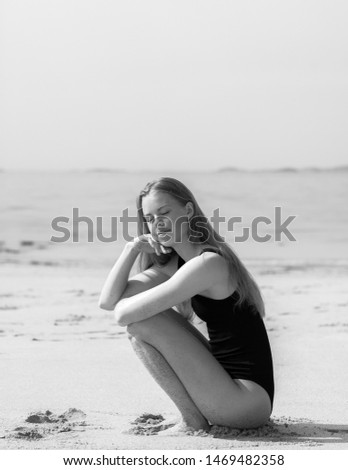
{"x": 220, "y": 399}
{"x": 170, "y": 313}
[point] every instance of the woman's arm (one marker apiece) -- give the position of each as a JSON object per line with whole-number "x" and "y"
{"x": 117, "y": 279}
{"x": 117, "y": 286}
{"x": 193, "y": 277}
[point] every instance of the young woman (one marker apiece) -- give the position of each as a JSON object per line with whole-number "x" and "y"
{"x": 185, "y": 264}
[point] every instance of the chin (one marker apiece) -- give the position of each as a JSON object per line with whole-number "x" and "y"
{"x": 168, "y": 243}
{"x": 166, "y": 240}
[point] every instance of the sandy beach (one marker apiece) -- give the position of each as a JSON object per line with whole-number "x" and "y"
{"x": 245, "y": 103}
{"x": 71, "y": 380}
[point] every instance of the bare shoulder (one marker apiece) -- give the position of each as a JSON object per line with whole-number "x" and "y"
{"x": 214, "y": 260}
{"x": 218, "y": 268}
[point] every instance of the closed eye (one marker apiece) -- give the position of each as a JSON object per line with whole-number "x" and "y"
{"x": 150, "y": 219}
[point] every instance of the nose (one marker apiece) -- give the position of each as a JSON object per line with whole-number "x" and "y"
{"x": 159, "y": 222}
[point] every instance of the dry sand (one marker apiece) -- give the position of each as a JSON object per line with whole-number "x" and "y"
{"x": 70, "y": 380}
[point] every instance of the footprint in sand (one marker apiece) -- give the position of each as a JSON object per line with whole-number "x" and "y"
{"x": 43, "y": 263}
{"x": 148, "y": 424}
{"x": 27, "y": 243}
{"x": 77, "y": 292}
{"x": 333, "y": 325}
{"x": 72, "y": 319}
{"x": 105, "y": 334}
{"x": 33, "y": 244}
{"x": 44, "y": 423}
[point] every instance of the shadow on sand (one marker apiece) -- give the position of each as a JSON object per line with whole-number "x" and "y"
{"x": 287, "y": 430}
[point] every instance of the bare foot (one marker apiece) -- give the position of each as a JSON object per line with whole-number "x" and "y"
{"x": 182, "y": 428}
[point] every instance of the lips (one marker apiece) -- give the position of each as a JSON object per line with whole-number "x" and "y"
{"x": 161, "y": 232}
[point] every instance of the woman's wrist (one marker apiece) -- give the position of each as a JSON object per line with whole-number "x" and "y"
{"x": 132, "y": 246}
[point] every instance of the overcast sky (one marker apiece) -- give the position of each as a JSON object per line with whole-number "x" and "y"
{"x": 180, "y": 84}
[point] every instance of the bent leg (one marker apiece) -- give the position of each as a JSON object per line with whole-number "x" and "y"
{"x": 169, "y": 382}
{"x": 220, "y": 399}
{"x": 172, "y": 314}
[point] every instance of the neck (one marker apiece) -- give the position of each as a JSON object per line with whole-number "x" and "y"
{"x": 187, "y": 250}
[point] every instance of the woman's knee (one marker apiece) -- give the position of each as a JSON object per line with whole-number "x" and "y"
{"x": 158, "y": 325}
{"x": 143, "y": 329}
{"x": 134, "y": 330}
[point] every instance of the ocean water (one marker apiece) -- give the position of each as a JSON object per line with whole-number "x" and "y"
{"x": 30, "y": 201}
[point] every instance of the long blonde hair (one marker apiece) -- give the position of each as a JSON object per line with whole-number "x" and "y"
{"x": 199, "y": 224}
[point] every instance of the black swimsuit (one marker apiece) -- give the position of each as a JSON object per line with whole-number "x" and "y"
{"x": 238, "y": 338}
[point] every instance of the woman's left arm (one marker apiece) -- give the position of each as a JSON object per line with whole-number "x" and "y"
{"x": 193, "y": 277}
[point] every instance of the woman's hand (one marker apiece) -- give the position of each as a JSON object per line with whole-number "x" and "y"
{"x": 146, "y": 244}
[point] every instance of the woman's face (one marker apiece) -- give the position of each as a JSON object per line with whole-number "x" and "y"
{"x": 166, "y": 219}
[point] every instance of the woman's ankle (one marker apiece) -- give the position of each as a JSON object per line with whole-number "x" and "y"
{"x": 194, "y": 422}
